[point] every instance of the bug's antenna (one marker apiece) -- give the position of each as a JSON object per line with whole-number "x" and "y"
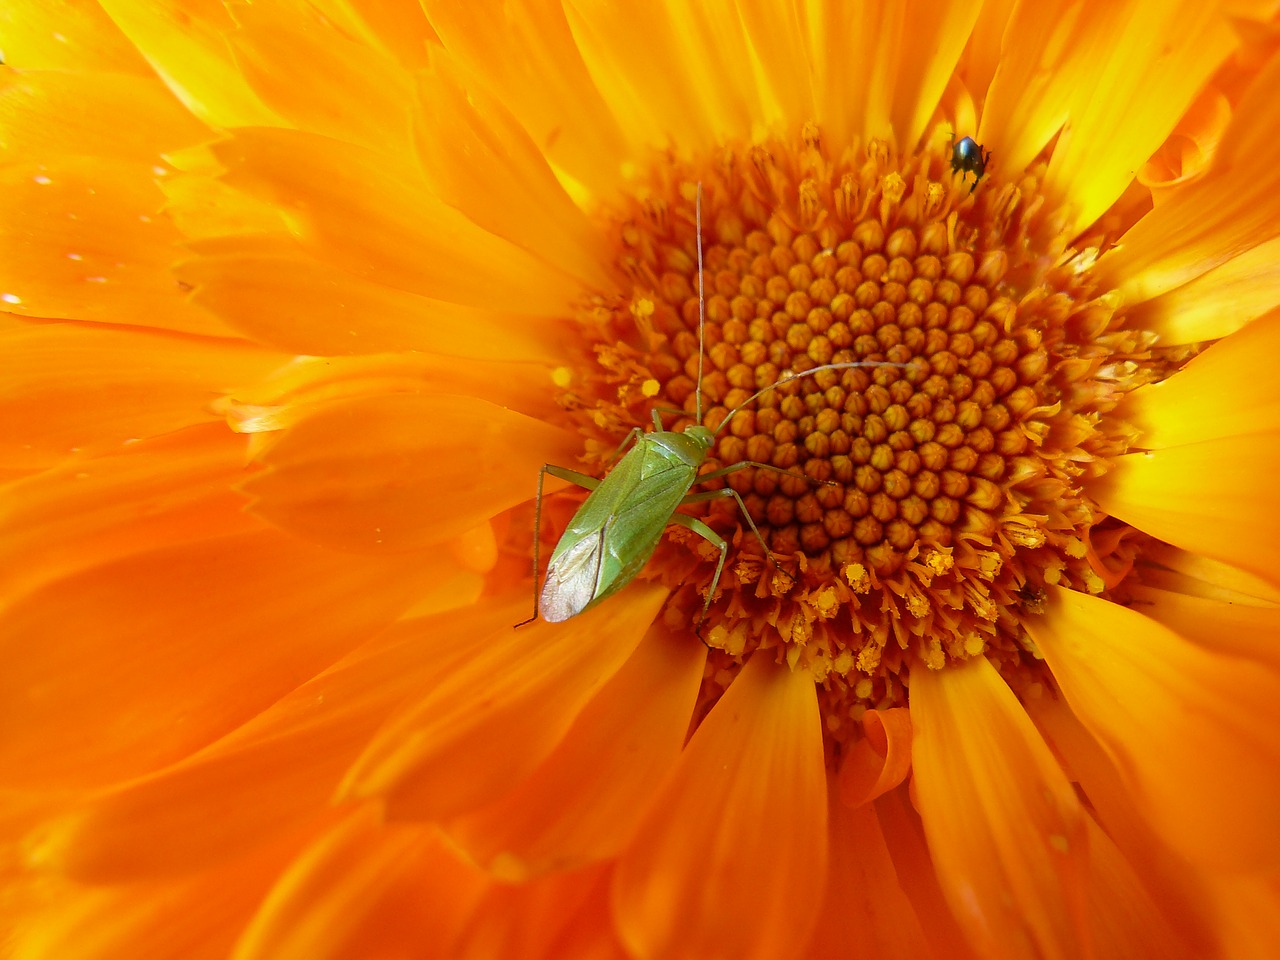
{"x": 702, "y": 303}
{"x": 800, "y": 376}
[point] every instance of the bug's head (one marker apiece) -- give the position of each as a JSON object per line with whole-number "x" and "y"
{"x": 701, "y": 435}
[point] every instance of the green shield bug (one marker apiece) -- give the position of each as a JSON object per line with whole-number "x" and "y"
{"x": 620, "y": 524}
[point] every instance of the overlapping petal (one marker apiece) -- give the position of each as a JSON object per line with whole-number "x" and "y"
{"x": 724, "y": 884}
{"x": 1191, "y": 729}
{"x": 1007, "y": 833}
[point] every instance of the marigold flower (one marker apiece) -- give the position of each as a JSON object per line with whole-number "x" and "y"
{"x": 300, "y": 296}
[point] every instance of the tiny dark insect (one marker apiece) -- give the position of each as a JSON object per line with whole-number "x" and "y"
{"x": 968, "y": 156}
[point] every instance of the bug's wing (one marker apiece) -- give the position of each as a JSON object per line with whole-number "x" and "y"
{"x": 572, "y": 578}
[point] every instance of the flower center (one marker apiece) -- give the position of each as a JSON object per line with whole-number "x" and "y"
{"x": 912, "y": 514}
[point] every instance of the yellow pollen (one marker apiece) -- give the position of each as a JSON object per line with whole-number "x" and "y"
{"x": 915, "y": 506}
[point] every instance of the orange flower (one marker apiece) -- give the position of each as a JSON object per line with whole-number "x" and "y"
{"x": 301, "y": 296}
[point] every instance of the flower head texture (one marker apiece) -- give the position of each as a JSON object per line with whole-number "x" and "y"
{"x": 728, "y": 480}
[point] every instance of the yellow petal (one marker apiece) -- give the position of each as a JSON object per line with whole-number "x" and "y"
{"x": 481, "y": 161}
{"x": 84, "y": 237}
{"x": 1195, "y": 733}
{"x": 1232, "y": 209}
{"x": 84, "y": 39}
{"x": 526, "y": 53}
{"x": 703, "y": 877}
{"x": 1231, "y": 478}
{"x": 1228, "y": 390}
{"x": 1005, "y": 829}
{"x": 361, "y": 212}
{"x": 186, "y": 42}
{"x": 348, "y": 315}
{"x": 1090, "y": 71}
{"x": 306, "y": 69}
{"x": 47, "y": 113}
{"x": 880, "y": 68}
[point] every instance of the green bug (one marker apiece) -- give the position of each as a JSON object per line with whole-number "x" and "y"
{"x": 620, "y": 524}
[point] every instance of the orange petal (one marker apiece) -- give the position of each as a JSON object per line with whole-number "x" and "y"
{"x": 1227, "y": 390}
{"x": 866, "y": 915}
{"x": 1232, "y": 209}
{"x": 1196, "y": 575}
{"x": 193, "y": 918}
{"x": 1006, "y": 832}
{"x": 323, "y": 905}
{"x": 359, "y": 211}
{"x": 45, "y": 114}
{"x": 525, "y": 52}
{"x": 346, "y": 314}
{"x": 586, "y": 800}
{"x": 74, "y": 389}
{"x": 397, "y": 27}
{"x": 912, "y": 863}
{"x": 1195, "y": 733}
{"x": 154, "y": 493}
{"x": 1124, "y": 920}
{"x": 274, "y": 775}
{"x": 298, "y": 390}
{"x": 494, "y": 720}
{"x": 1216, "y": 497}
{"x": 66, "y": 35}
{"x": 402, "y": 472}
{"x": 83, "y": 237}
{"x": 1238, "y": 628}
{"x": 879, "y": 760}
{"x": 702, "y": 878}
{"x": 311, "y": 72}
{"x": 186, "y": 42}
{"x": 1174, "y": 888}
{"x": 1249, "y": 915}
{"x": 558, "y": 917}
{"x": 124, "y": 667}
{"x": 480, "y": 160}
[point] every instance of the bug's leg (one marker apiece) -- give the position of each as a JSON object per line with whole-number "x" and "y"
{"x": 717, "y": 541}
{"x": 706, "y": 495}
{"x": 569, "y": 476}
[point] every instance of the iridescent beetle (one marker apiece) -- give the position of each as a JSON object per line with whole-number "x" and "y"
{"x": 968, "y": 156}
{"x": 620, "y": 524}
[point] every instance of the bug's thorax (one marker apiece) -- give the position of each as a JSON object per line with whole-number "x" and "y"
{"x": 690, "y": 445}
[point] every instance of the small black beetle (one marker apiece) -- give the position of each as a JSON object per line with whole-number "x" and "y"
{"x": 968, "y": 156}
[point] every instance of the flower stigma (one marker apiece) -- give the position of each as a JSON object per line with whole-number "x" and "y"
{"x": 928, "y": 504}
